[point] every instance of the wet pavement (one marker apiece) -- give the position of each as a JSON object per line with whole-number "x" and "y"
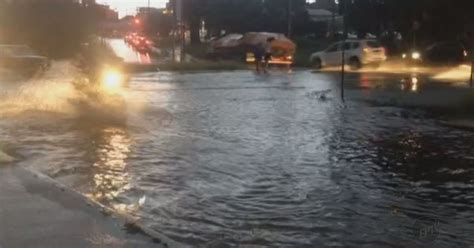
{"x": 37, "y": 213}
{"x": 233, "y": 158}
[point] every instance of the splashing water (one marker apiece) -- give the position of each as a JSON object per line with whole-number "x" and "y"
{"x": 5, "y": 158}
{"x": 54, "y": 92}
{"x": 454, "y": 74}
{"x": 49, "y": 92}
{"x": 461, "y": 73}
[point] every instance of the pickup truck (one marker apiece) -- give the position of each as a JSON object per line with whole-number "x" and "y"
{"x": 22, "y": 59}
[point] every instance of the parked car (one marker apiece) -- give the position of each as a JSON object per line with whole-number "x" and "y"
{"x": 440, "y": 53}
{"x": 357, "y": 53}
{"x": 22, "y": 58}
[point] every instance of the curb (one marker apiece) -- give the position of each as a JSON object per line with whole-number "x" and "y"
{"x": 128, "y": 220}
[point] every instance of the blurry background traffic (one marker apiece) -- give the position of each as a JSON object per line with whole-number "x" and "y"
{"x": 434, "y": 32}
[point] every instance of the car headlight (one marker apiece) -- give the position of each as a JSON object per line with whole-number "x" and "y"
{"x": 112, "y": 80}
{"x": 416, "y": 55}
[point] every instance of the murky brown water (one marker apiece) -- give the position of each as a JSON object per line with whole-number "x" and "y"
{"x": 227, "y": 159}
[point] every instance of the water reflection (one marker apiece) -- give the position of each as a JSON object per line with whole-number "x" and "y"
{"x": 410, "y": 84}
{"x": 144, "y": 58}
{"x": 110, "y": 170}
{"x": 414, "y": 84}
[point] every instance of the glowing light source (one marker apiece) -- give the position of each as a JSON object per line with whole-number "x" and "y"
{"x": 416, "y": 55}
{"x": 112, "y": 80}
{"x": 288, "y": 60}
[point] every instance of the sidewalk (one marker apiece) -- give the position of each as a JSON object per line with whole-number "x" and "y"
{"x": 36, "y": 213}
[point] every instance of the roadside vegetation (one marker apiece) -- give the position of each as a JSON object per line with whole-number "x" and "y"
{"x": 55, "y": 29}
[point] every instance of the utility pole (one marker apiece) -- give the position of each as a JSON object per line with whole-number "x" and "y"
{"x": 147, "y": 23}
{"x": 343, "y": 66}
{"x": 471, "y": 38}
{"x": 180, "y": 27}
{"x": 290, "y": 17}
{"x": 472, "y": 71}
{"x": 333, "y": 19}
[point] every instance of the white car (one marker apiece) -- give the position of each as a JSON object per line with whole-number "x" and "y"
{"x": 357, "y": 54}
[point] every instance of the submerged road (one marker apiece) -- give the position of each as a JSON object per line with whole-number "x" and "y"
{"x": 233, "y": 158}
{"x": 130, "y": 55}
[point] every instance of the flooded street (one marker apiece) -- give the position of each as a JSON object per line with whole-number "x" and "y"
{"x": 232, "y": 158}
{"x": 128, "y": 54}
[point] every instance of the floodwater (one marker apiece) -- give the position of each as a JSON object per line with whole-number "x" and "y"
{"x": 128, "y": 54}
{"x": 234, "y": 159}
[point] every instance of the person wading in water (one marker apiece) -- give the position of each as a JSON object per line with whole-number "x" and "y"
{"x": 268, "y": 52}
{"x": 259, "y": 53}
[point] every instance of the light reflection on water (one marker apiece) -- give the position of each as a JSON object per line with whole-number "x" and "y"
{"x": 111, "y": 177}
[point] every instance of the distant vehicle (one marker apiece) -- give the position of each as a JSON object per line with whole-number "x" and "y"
{"x": 357, "y": 53}
{"x": 22, "y": 58}
{"x": 441, "y": 53}
{"x": 283, "y": 49}
{"x": 143, "y": 45}
{"x": 226, "y": 46}
{"x": 241, "y": 46}
{"x": 129, "y": 38}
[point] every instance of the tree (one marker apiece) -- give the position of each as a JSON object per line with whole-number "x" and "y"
{"x": 254, "y": 15}
{"x": 193, "y": 11}
{"x": 438, "y": 19}
{"x": 157, "y": 22}
{"x": 54, "y": 28}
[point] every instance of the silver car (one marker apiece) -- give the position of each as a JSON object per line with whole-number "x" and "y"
{"x": 357, "y": 54}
